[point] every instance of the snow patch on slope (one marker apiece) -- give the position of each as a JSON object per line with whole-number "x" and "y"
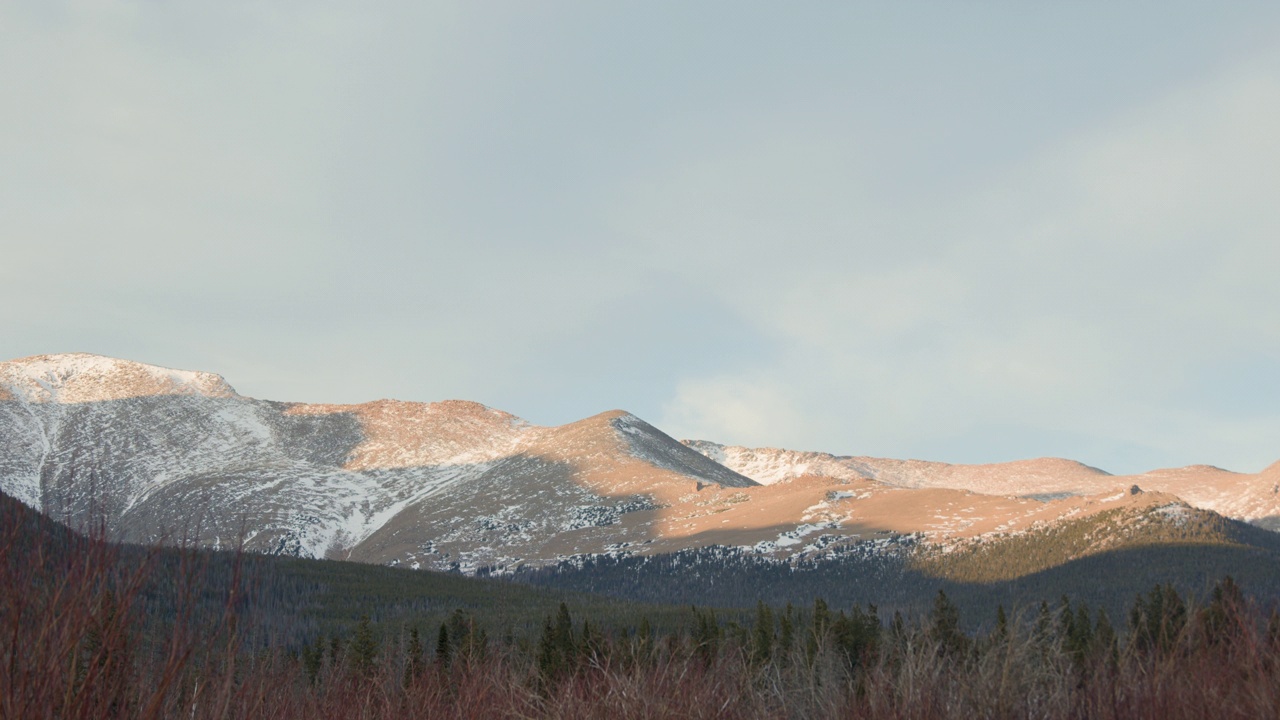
{"x": 769, "y": 466}
{"x": 81, "y": 377}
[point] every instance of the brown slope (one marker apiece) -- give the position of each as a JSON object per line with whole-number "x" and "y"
{"x": 1020, "y": 477}
{"x": 1250, "y": 497}
{"x": 598, "y": 483}
{"x": 398, "y": 434}
{"x": 866, "y": 509}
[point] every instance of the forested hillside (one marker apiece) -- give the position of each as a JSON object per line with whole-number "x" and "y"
{"x": 92, "y": 630}
{"x": 1103, "y": 559}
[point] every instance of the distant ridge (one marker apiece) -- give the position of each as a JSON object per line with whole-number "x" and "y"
{"x": 1249, "y": 497}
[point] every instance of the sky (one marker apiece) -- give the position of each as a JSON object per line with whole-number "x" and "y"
{"x": 967, "y": 232}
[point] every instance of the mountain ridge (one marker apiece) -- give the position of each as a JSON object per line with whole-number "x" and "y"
{"x": 458, "y": 485}
{"x": 154, "y": 450}
{"x": 1252, "y": 497}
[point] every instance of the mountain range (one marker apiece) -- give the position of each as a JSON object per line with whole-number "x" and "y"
{"x": 160, "y": 455}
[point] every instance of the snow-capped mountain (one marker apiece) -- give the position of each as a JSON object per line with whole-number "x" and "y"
{"x": 154, "y": 453}
{"x": 1252, "y": 498}
{"x": 166, "y": 455}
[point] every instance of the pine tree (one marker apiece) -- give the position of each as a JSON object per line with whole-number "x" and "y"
{"x": 459, "y": 634}
{"x": 856, "y": 635}
{"x": 821, "y": 617}
{"x": 898, "y": 628}
{"x": 817, "y": 636}
{"x": 786, "y": 638}
{"x": 557, "y": 652}
{"x": 644, "y": 639}
{"x": 1043, "y": 633}
{"x": 1066, "y": 620}
{"x": 591, "y": 644}
{"x": 1175, "y": 612}
{"x": 1000, "y": 633}
{"x": 762, "y": 635}
{"x": 413, "y": 663}
{"x": 944, "y": 627}
{"x": 1105, "y": 642}
{"x": 707, "y": 634}
{"x": 312, "y": 657}
{"x": 550, "y": 663}
{"x": 1219, "y": 620}
{"x": 442, "y": 645}
{"x": 563, "y": 637}
{"x": 364, "y": 649}
{"x": 1077, "y": 639}
{"x": 1157, "y": 620}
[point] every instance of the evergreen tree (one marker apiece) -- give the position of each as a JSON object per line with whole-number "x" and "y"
{"x": 1220, "y": 619}
{"x": 944, "y": 627}
{"x": 856, "y": 635}
{"x": 1076, "y": 632}
{"x": 362, "y": 655}
{"x": 707, "y": 634}
{"x": 442, "y": 645}
{"x": 1156, "y": 620}
{"x": 821, "y": 617}
{"x": 1000, "y": 633}
{"x": 459, "y": 632}
{"x": 817, "y": 636}
{"x": 644, "y": 639}
{"x": 898, "y": 628}
{"x": 1066, "y": 618}
{"x": 557, "y": 651}
{"x": 592, "y": 643}
{"x": 413, "y": 663}
{"x": 786, "y": 638}
{"x": 1105, "y": 642}
{"x": 563, "y": 634}
{"x": 762, "y": 635}
{"x": 1043, "y": 633}
{"x": 550, "y": 663}
{"x": 312, "y": 658}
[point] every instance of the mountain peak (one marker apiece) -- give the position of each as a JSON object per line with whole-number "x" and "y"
{"x": 84, "y": 377}
{"x": 610, "y": 416}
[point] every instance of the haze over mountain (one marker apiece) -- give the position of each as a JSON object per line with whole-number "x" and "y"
{"x": 162, "y": 455}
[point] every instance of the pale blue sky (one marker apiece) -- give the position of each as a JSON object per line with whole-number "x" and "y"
{"x": 957, "y": 231}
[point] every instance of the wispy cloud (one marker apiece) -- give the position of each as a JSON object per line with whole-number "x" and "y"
{"x": 1074, "y": 297}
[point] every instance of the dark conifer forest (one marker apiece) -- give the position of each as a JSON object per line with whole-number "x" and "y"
{"x": 90, "y": 629}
